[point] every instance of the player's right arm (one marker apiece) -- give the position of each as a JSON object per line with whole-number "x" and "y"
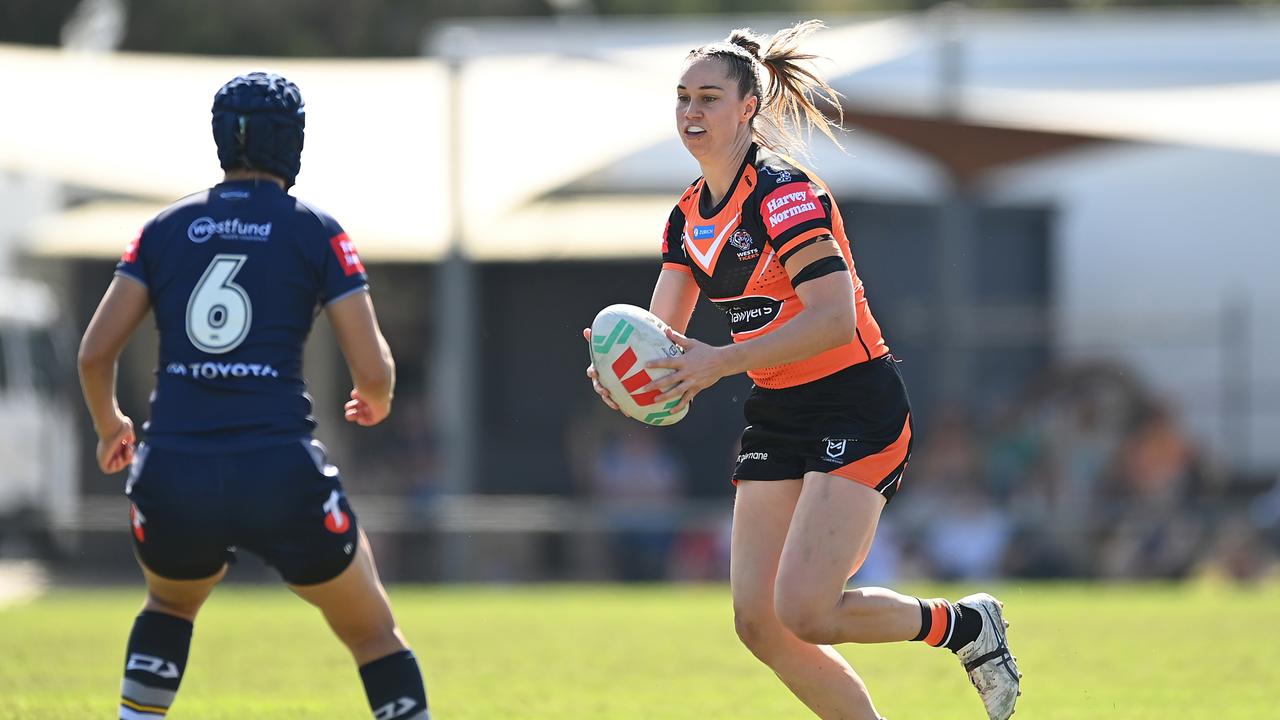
{"x": 676, "y": 292}
{"x": 373, "y": 369}
{"x": 674, "y": 295}
{"x": 119, "y": 313}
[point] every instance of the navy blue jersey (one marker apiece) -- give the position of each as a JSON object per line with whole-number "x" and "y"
{"x": 236, "y": 275}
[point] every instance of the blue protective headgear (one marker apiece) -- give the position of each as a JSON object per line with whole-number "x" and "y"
{"x": 258, "y": 122}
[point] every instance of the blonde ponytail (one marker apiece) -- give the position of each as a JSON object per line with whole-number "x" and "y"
{"x": 789, "y": 100}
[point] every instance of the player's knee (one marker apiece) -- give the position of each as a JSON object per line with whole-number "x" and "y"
{"x": 185, "y": 608}
{"x": 357, "y": 634}
{"x": 805, "y": 617}
{"x": 758, "y": 630}
{"x": 370, "y": 639}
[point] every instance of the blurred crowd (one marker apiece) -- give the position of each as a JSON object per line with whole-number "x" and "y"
{"x": 1086, "y": 474}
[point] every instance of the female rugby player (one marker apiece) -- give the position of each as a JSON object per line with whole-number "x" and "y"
{"x": 235, "y": 275}
{"x": 829, "y": 426}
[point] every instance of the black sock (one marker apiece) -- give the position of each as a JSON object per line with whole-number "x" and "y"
{"x": 967, "y": 626}
{"x": 393, "y": 685}
{"x": 154, "y": 662}
{"x": 947, "y": 624}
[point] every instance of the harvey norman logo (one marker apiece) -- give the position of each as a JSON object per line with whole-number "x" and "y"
{"x": 203, "y": 228}
{"x": 798, "y": 200}
{"x": 789, "y": 206}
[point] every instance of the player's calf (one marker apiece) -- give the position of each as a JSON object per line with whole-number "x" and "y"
{"x": 155, "y": 660}
{"x": 394, "y": 687}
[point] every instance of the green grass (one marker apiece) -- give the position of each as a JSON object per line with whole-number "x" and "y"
{"x": 669, "y": 653}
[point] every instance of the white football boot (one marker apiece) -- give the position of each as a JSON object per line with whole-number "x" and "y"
{"x": 991, "y": 667}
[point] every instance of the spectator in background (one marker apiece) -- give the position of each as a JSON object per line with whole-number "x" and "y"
{"x": 638, "y": 481}
{"x": 1239, "y": 551}
{"x": 969, "y": 542}
{"x": 1082, "y": 426}
{"x": 1156, "y": 473}
{"x": 963, "y": 531}
{"x": 1264, "y": 516}
{"x": 1049, "y": 457}
{"x": 413, "y": 452}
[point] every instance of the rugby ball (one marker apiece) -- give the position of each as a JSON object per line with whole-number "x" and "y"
{"x": 623, "y": 339}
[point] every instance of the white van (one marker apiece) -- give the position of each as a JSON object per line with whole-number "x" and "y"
{"x": 38, "y": 444}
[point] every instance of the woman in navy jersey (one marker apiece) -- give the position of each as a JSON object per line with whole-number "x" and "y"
{"x": 235, "y": 276}
{"x": 829, "y": 426}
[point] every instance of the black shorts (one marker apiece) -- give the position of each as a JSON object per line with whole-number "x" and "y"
{"x": 189, "y": 511}
{"x": 855, "y": 423}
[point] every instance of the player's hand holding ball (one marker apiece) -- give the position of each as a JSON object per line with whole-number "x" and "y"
{"x": 697, "y": 368}
{"x": 631, "y": 349}
{"x": 595, "y": 378}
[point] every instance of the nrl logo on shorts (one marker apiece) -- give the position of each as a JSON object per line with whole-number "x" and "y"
{"x": 745, "y": 245}
{"x": 835, "y": 448}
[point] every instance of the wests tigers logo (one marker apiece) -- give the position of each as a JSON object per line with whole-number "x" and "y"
{"x": 742, "y": 241}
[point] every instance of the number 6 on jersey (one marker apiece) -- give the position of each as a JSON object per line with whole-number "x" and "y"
{"x": 219, "y": 312}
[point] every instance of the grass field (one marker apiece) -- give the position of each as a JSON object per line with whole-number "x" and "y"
{"x": 669, "y": 653}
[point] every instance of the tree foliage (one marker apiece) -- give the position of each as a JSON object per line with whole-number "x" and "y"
{"x": 373, "y": 28}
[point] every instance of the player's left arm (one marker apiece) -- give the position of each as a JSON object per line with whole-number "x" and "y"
{"x": 824, "y": 285}
{"x": 121, "y": 310}
{"x": 822, "y": 281}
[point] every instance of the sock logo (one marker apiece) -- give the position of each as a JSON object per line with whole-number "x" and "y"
{"x": 336, "y": 521}
{"x": 392, "y": 710}
{"x": 154, "y": 665}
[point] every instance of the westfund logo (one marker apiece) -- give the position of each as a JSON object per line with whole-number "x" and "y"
{"x": 789, "y": 206}
{"x": 203, "y": 228}
{"x": 751, "y": 313}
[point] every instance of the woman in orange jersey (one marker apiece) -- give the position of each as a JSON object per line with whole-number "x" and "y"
{"x": 829, "y": 433}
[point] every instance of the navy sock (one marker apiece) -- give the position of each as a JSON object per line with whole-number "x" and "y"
{"x": 393, "y": 685}
{"x": 154, "y": 662}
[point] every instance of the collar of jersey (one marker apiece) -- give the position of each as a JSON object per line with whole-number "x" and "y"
{"x": 707, "y": 259}
{"x": 254, "y": 184}
{"x": 749, "y": 159}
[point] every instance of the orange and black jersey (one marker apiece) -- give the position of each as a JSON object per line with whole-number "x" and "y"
{"x": 736, "y": 250}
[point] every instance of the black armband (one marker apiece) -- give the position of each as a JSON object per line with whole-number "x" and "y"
{"x": 820, "y": 267}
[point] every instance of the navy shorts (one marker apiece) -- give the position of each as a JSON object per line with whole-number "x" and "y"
{"x": 854, "y": 423}
{"x": 190, "y": 511}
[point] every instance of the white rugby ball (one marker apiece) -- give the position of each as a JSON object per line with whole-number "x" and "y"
{"x": 623, "y": 339}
